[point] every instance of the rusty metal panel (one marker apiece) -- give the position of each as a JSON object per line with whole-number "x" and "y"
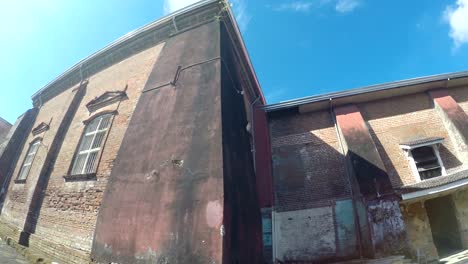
{"x": 164, "y": 200}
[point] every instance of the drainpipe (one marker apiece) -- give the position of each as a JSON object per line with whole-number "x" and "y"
{"x": 253, "y": 132}
{"x": 348, "y": 174}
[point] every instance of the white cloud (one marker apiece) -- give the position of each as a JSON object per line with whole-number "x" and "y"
{"x": 341, "y": 6}
{"x": 174, "y": 5}
{"x": 457, "y": 17}
{"x": 294, "y": 6}
{"x": 345, "y": 6}
{"x": 243, "y": 17}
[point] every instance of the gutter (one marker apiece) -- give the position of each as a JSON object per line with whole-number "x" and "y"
{"x": 123, "y": 39}
{"x": 363, "y": 90}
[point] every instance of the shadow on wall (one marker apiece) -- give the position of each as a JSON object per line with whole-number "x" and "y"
{"x": 314, "y": 210}
{"x": 39, "y": 191}
{"x": 391, "y": 170}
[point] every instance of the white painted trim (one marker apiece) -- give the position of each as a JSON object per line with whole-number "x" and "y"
{"x": 436, "y": 151}
{"x": 422, "y": 144}
{"x": 414, "y": 168}
{"x": 434, "y": 190}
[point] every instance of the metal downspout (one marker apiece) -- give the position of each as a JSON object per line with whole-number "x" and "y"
{"x": 348, "y": 174}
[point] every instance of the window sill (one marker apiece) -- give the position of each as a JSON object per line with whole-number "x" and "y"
{"x": 20, "y": 181}
{"x": 80, "y": 177}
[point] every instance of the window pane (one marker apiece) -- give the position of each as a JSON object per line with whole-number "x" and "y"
{"x": 34, "y": 148}
{"x": 79, "y": 164}
{"x": 98, "y": 139}
{"x": 24, "y": 172}
{"x": 86, "y": 142}
{"x": 28, "y": 159}
{"x": 91, "y": 161}
{"x": 92, "y": 126}
{"x": 105, "y": 122}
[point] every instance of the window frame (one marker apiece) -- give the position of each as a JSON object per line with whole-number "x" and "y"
{"x": 414, "y": 167}
{"x": 36, "y": 141}
{"x": 91, "y": 175}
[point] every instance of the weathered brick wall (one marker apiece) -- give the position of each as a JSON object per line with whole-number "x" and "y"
{"x": 68, "y": 214}
{"x": 461, "y": 96}
{"x": 19, "y": 194}
{"x": 307, "y": 161}
{"x": 394, "y": 120}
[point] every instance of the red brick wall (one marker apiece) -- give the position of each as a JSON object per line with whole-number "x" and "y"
{"x": 398, "y": 119}
{"x": 307, "y": 160}
{"x": 68, "y": 214}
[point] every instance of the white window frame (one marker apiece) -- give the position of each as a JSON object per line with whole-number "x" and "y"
{"x": 91, "y": 150}
{"x": 34, "y": 146}
{"x": 414, "y": 168}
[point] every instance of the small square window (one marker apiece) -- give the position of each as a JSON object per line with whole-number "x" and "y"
{"x": 424, "y": 157}
{"x": 426, "y": 162}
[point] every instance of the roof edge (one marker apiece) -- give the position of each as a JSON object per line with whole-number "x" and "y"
{"x": 363, "y": 90}
{"x": 122, "y": 40}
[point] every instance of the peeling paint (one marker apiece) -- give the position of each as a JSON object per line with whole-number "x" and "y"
{"x": 214, "y": 213}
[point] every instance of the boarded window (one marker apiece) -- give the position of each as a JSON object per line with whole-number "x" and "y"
{"x": 28, "y": 160}
{"x": 426, "y": 162}
{"x": 91, "y": 143}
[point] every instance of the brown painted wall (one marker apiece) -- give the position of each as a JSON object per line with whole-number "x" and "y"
{"x": 164, "y": 201}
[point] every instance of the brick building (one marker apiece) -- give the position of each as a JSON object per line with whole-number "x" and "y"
{"x": 159, "y": 148}
{"x": 375, "y": 171}
{"x": 139, "y": 153}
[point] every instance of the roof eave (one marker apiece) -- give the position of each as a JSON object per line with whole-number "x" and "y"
{"x": 132, "y": 34}
{"x": 363, "y": 90}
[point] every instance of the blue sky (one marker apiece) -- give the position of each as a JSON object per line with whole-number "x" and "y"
{"x": 298, "y": 48}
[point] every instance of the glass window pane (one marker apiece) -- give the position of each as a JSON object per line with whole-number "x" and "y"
{"x": 91, "y": 162}
{"x": 92, "y": 126}
{"x": 79, "y": 164}
{"x": 23, "y": 172}
{"x": 28, "y": 159}
{"x": 105, "y": 122}
{"x": 98, "y": 139}
{"x": 86, "y": 142}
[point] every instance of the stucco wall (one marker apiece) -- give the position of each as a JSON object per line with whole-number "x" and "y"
{"x": 304, "y": 234}
{"x": 418, "y": 232}
{"x": 460, "y": 200}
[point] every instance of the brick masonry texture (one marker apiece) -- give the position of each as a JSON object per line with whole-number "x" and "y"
{"x": 68, "y": 214}
{"x": 395, "y": 120}
{"x": 305, "y": 154}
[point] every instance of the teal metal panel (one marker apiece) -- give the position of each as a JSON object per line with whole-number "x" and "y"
{"x": 345, "y": 228}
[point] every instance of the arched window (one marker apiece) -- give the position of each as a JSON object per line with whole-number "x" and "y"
{"x": 28, "y": 160}
{"x": 91, "y": 143}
